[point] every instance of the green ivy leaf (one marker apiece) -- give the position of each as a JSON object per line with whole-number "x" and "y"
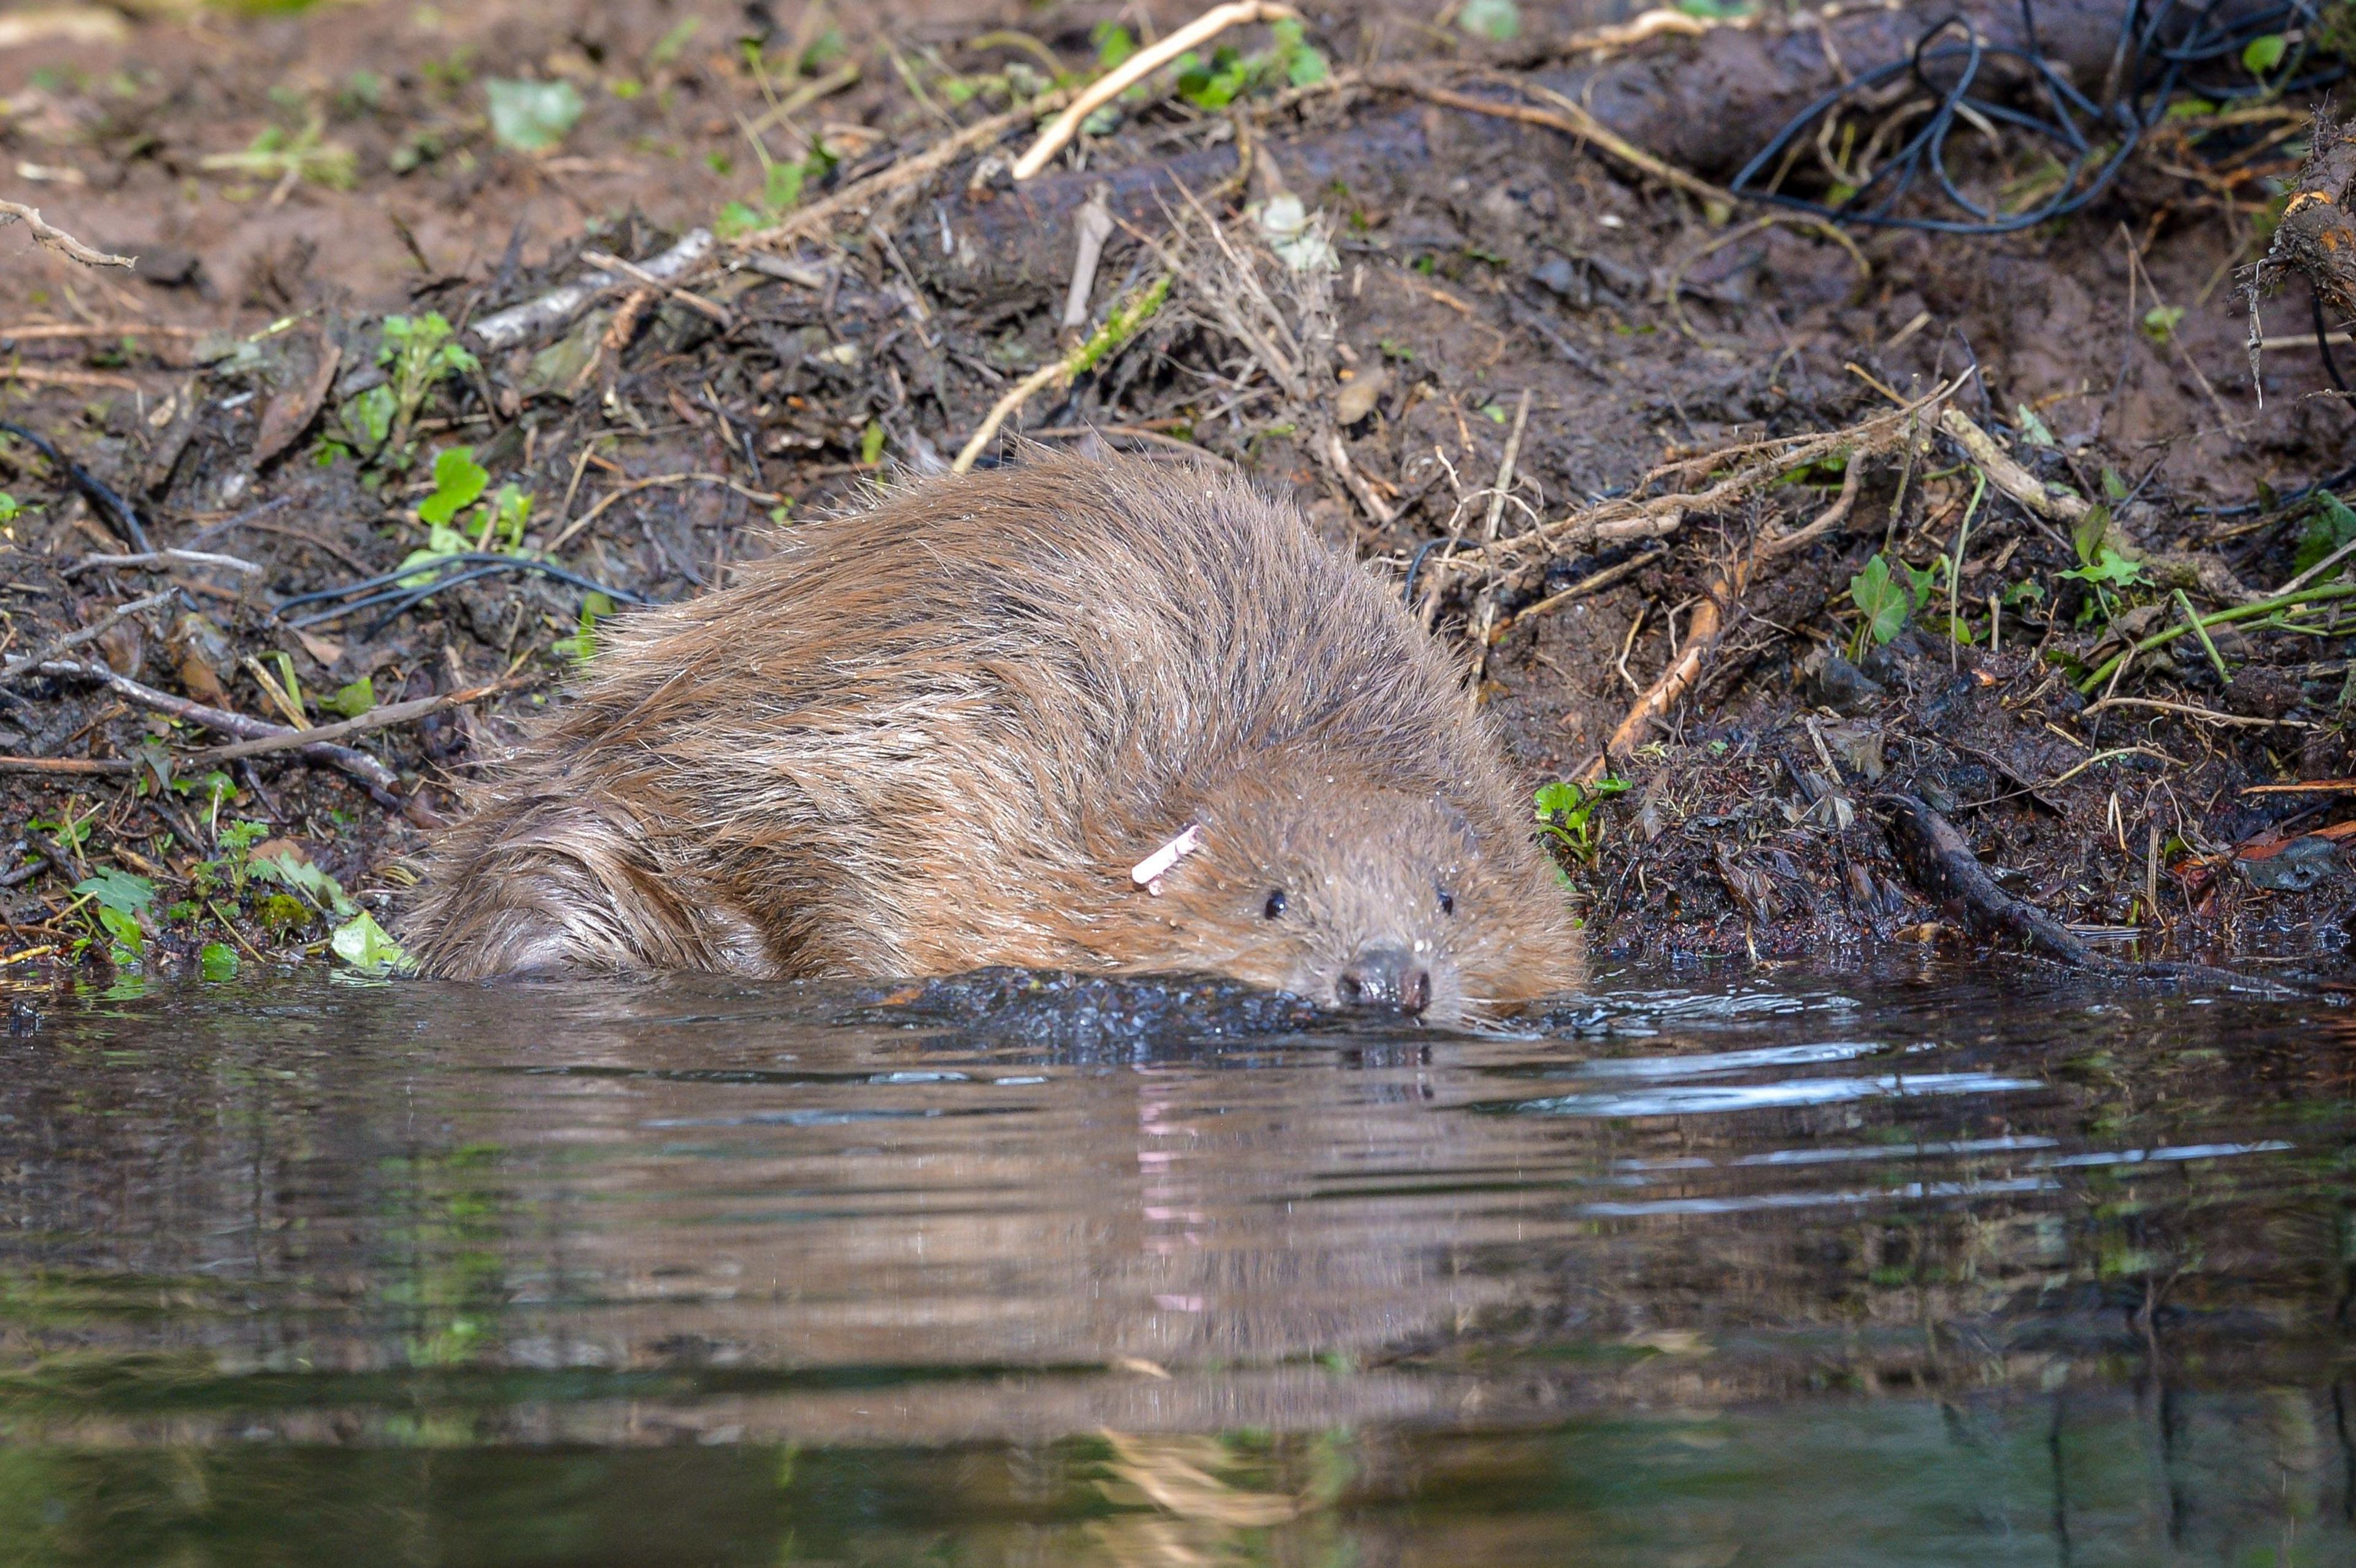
{"x": 364, "y": 945}
{"x": 118, "y": 891}
{"x": 2261, "y": 55}
{"x": 1881, "y": 599}
{"x": 532, "y": 116}
{"x": 458, "y": 482}
{"x": 216, "y": 961}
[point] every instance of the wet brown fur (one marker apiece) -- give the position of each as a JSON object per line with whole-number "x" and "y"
{"x": 937, "y": 735}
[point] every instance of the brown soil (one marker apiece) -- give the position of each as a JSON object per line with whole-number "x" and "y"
{"x": 1478, "y": 260}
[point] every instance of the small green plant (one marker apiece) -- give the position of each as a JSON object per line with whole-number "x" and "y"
{"x": 9, "y": 510}
{"x": 290, "y": 156}
{"x": 582, "y": 646}
{"x": 532, "y": 116}
{"x": 353, "y": 699}
{"x": 2104, "y": 568}
{"x": 417, "y": 354}
{"x": 781, "y": 184}
{"x": 1566, "y": 812}
{"x": 871, "y": 445}
{"x": 1229, "y": 74}
{"x": 1498, "y": 20}
{"x": 2330, "y": 526}
{"x": 118, "y": 898}
{"x": 2161, "y": 321}
{"x": 450, "y": 512}
{"x": 1883, "y": 601}
{"x": 2262, "y": 54}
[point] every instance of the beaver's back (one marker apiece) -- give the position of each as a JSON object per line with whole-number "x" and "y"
{"x": 918, "y": 737}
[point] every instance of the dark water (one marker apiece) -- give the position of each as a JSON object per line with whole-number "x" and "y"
{"x": 1952, "y": 1267}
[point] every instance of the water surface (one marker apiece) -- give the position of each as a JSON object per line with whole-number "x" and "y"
{"x": 1938, "y": 1266}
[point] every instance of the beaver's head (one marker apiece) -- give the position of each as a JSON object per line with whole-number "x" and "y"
{"x": 1308, "y": 875}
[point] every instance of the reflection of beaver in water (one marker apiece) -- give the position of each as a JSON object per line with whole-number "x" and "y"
{"x": 1070, "y": 715}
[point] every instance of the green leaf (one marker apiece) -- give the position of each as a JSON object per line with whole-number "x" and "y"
{"x": 2262, "y": 54}
{"x": 1883, "y": 602}
{"x": 2112, "y": 571}
{"x": 870, "y": 444}
{"x": 2329, "y": 526}
{"x": 2087, "y": 537}
{"x": 2160, "y": 322}
{"x": 117, "y": 891}
{"x": 2033, "y": 429}
{"x": 1494, "y": 19}
{"x": 2115, "y": 488}
{"x": 216, "y": 961}
{"x": 369, "y": 415}
{"x": 9, "y": 509}
{"x": 736, "y": 220}
{"x": 129, "y": 941}
{"x": 532, "y": 116}
{"x": 352, "y": 700}
{"x": 307, "y": 879}
{"x": 1921, "y": 581}
{"x": 364, "y": 945}
{"x": 458, "y": 480}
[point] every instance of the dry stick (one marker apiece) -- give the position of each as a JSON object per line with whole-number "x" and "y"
{"x": 359, "y": 764}
{"x": 1094, "y": 227}
{"x": 1118, "y": 327}
{"x": 635, "y": 485}
{"x": 1484, "y": 613}
{"x": 2306, "y": 786}
{"x": 2008, "y": 475}
{"x": 164, "y": 558}
{"x": 815, "y": 217}
{"x": 2207, "y": 716}
{"x": 1709, "y": 619}
{"x": 1137, "y": 67}
{"x": 718, "y": 313}
{"x": 38, "y": 331}
{"x": 58, "y": 239}
{"x": 33, "y": 376}
{"x": 375, "y": 718}
{"x": 91, "y": 632}
{"x": 1566, "y": 116}
{"x": 506, "y": 328}
{"x": 1603, "y": 580}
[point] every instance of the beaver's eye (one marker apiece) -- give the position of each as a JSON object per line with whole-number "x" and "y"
{"x": 1447, "y": 901}
{"x": 1274, "y": 907}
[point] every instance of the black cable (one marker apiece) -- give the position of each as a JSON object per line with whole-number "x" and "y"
{"x": 2162, "y": 46}
{"x": 118, "y": 513}
{"x": 481, "y": 564}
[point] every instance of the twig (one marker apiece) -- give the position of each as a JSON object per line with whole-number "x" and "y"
{"x": 1567, "y": 115}
{"x": 40, "y": 331}
{"x": 1137, "y": 67}
{"x": 718, "y": 313}
{"x": 2009, "y": 477}
{"x": 359, "y": 764}
{"x": 1118, "y": 328}
{"x": 96, "y": 629}
{"x": 1094, "y": 227}
{"x": 635, "y": 485}
{"x": 506, "y": 328}
{"x": 375, "y": 718}
{"x": 2256, "y": 608}
{"x": 35, "y": 376}
{"x": 1825, "y": 521}
{"x": 2319, "y": 568}
{"x": 164, "y": 558}
{"x": 1597, "y": 583}
{"x": 2306, "y": 786}
{"x": 818, "y": 215}
{"x": 2207, "y": 716}
{"x": 1484, "y": 612}
{"x": 58, "y": 239}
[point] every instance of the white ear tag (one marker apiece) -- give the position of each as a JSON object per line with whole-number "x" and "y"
{"x": 1148, "y": 873}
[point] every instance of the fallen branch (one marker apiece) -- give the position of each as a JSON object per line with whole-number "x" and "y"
{"x": 1567, "y": 115}
{"x": 91, "y": 632}
{"x": 719, "y": 314}
{"x": 58, "y": 239}
{"x": 1137, "y": 67}
{"x": 359, "y": 764}
{"x": 166, "y": 557}
{"x": 519, "y": 324}
{"x": 383, "y": 718}
{"x": 1941, "y": 864}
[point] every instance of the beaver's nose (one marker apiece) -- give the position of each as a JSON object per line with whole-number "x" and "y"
{"x": 1385, "y": 977}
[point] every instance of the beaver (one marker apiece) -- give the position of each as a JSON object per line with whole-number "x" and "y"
{"x": 1076, "y": 713}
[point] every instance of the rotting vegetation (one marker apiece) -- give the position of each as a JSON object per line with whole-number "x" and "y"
{"x": 1836, "y": 583}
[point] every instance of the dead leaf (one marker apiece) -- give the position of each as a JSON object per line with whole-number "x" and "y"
{"x": 292, "y": 411}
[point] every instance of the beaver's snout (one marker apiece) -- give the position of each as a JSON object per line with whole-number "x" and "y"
{"x": 1385, "y": 977}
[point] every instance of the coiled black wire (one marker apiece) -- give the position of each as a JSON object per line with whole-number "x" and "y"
{"x": 2163, "y": 48}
